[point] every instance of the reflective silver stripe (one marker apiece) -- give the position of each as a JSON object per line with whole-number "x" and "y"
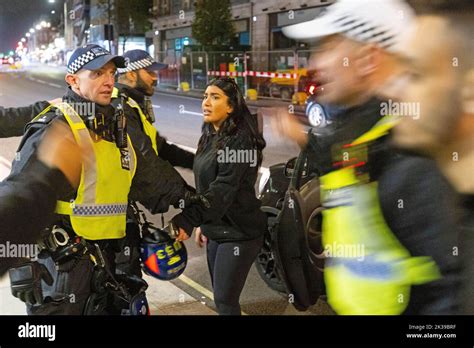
{"x": 85, "y": 141}
{"x": 99, "y": 209}
{"x": 338, "y": 197}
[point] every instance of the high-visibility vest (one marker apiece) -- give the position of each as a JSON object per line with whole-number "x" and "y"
{"x": 367, "y": 270}
{"x": 148, "y": 127}
{"x": 99, "y": 209}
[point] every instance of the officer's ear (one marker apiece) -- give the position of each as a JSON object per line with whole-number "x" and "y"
{"x": 132, "y": 77}
{"x": 72, "y": 80}
{"x": 367, "y": 59}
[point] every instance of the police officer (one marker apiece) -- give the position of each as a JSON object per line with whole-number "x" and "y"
{"x": 138, "y": 81}
{"x": 136, "y": 84}
{"x": 395, "y": 208}
{"x": 78, "y": 250}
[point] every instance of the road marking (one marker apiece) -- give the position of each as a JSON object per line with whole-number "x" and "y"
{"x": 191, "y": 113}
{"x": 196, "y": 286}
{"x": 156, "y": 106}
{"x": 44, "y": 82}
{"x": 199, "y": 288}
{"x": 54, "y": 85}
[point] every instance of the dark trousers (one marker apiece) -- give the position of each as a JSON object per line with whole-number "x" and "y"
{"x": 229, "y": 264}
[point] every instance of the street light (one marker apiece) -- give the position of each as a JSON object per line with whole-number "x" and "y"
{"x": 38, "y": 27}
{"x": 32, "y": 30}
{"x": 23, "y": 39}
{"x": 51, "y": 1}
{"x": 53, "y": 12}
{"x": 27, "y": 34}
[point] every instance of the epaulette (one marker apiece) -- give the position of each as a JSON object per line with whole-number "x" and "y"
{"x": 44, "y": 117}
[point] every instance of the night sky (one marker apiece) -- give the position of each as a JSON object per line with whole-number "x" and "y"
{"x": 18, "y": 16}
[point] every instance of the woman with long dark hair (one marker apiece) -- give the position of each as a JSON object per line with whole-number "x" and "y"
{"x": 225, "y": 168}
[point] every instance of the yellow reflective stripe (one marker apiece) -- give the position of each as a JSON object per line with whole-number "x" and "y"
{"x": 41, "y": 113}
{"x": 339, "y": 178}
{"x": 64, "y": 208}
{"x": 422, "y": 269}
{"x": 378, "y": 130}
{"x": 148, "y": 128}
{"x": 115, "y": 92}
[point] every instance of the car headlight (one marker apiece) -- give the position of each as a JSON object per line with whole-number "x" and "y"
{"x": 263, "y": 179}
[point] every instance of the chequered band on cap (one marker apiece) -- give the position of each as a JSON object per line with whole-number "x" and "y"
{"x": 139, "y": 64}
{"x": 364, "y": 31}
{"x": 80, "y": 61}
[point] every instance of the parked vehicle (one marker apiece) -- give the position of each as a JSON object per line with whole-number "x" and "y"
{"x": 284, "y": 88}
{"x": 291, "y": 260}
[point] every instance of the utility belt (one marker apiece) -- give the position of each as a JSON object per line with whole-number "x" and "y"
{"x": 79, "y": 276}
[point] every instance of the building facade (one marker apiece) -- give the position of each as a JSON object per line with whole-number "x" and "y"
{"x": 257, "y": 23}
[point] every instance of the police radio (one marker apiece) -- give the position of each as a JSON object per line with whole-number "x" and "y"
{"x": 120, "y": 123}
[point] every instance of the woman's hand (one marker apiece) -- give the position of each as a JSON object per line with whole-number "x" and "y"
{"x": 201, "y": 240}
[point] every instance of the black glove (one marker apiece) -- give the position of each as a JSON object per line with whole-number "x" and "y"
{"x": 26, "y": 282}
{"x": 195, "y": 198}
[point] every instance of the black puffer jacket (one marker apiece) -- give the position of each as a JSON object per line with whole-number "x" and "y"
{"x": 235, "y": 213}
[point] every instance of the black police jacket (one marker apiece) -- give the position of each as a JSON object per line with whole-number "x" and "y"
{"x": 229, "y": 186}
{"x": 169, "y": 152}
{"x": 14, "y": 120}
{"x": 156, "y": 184}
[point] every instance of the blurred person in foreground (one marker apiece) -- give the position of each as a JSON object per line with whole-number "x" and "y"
{"x": 59, "y": 160}
{"x": 438, "y": 73}
{"x": 396, "y": 208}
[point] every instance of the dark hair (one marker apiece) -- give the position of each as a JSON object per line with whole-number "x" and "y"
{"x": 240, "y": 119}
